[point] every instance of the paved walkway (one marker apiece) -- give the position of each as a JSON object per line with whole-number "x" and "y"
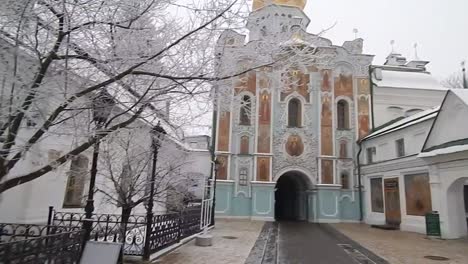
{"x": 404, "y": 247}
{"x": 304, "y": 243}
{"x": 233, "y": 240}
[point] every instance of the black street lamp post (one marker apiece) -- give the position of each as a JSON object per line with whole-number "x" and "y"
{"x": 157, "y": 134}
{"x": 216, "y": 167}
{"x": 102, "y": 107}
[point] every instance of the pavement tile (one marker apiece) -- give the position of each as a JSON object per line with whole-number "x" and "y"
{"x": 399, "y": 247}
{"x": 224, "y": 250}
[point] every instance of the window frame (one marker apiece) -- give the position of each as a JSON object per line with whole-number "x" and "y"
{"x": 245, "y": 109}
{"x": 374, "y": 209}
{"x": 243, "y": 177}
{"x": 371, "y": 152}
{"x": 342, "y": 115}
{"x": 76, "y": 177}
{"x": 400, "y": 147}
{"x": 298, "y": 114}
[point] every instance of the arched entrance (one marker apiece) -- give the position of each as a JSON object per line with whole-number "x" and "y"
{"x": 291, "y": 197}
{"x": 457, "y": 208}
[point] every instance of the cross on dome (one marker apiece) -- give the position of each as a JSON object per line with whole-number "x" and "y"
{"x": 257, "y": 4}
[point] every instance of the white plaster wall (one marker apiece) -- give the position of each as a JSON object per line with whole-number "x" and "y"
{"x": 414, "y": 137}
{"x": 387, "y": 165}
{"x": 405, "y": 98}
{"x": 449, "y": 174}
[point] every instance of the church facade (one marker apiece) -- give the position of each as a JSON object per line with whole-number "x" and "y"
{"x": 286, "y": 129}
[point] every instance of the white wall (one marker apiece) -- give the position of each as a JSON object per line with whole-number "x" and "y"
{"x": 405, "y": 98}
{"x": 414, "y": 137}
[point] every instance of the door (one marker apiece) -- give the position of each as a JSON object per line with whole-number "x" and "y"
{"x": 392, "y": 202}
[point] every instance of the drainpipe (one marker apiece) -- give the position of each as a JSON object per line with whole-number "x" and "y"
{"x": 371, "y": 83}
{"x": 361, "y": 213}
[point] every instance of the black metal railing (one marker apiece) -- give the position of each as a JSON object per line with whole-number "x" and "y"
{"x": 109, "y": 228}
{"x": 10, "y": 232}
{"x": 166, "y": 229}
{"x": 39, "y": 244}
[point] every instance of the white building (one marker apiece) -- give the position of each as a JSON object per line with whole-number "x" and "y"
{"x": 401, "y": 89}
{"x": 417, "y": 165}
{"x": 65, "y": 187}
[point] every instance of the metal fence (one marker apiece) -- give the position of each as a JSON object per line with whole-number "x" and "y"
{"x": 23, "y": 243}
{"x": 108, "y": 228}
{"x": 166, "y": 229}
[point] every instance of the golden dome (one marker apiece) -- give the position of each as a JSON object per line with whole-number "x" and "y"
{"x": 257, "y": 4}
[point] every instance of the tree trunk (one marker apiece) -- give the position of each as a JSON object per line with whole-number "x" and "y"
{"x": 126, "y": 212}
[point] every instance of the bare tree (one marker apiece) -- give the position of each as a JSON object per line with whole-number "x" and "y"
{"x": 57, "y": 55}
{"x": 126, "y": 169}
{"x": 455, "y": 80}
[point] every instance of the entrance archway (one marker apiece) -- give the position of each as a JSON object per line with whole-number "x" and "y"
{"x": 291, "y": 197}
{"x": 457, "y": 209}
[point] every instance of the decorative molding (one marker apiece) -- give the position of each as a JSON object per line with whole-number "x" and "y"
{"x": 269, "y": 204}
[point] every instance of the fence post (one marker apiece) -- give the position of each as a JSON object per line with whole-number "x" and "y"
{"x": 49, "y": 218}
{"x": 181, "y": 229}
{"x": 149, "y": 224}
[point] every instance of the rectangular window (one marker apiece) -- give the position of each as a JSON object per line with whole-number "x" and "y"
{"x": 418, "y": 194}
{"x": 76, "y": 182}
{"x": 377, "y": 195}
{"x": 243, "y": 177}
{"x": 400, "y": 147}
{"x": 370, "y": 155}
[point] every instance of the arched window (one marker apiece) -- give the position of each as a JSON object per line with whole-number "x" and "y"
{"x": 342, "y": 114}
{"x": 343, "y": 149}
{"x": 244, "y": 145}
{"x": 344, "y": 180}
{"x": 245, "y": 110}
{"x": 294, "y": 113}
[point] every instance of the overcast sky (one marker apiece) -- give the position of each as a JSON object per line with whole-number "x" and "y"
{"x": 439, "y": 27}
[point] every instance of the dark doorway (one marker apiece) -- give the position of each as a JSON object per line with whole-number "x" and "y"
{"x": 465, "y": 194}
{"x": 290, "y": 197}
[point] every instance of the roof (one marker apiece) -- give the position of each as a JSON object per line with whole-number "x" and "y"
{"x": 408, "y": 79}
{"x": 405, "y": 122}
{"x": 442, "y": 151}
{"x": 462, "y": 94}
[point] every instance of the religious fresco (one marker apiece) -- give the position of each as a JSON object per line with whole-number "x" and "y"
{"x": 246, "y": 82}
{"x": 223, "y": 167}
{"x": 363, "y": 107}
{"x": 326, "y": 126}
{"x": 418, "y": 194}
{"x": 326, "y": 129}
{"x": 244, "y": 145}
{"x": 263, "y": 169}
{"x": 344, "y": 85}
{"x": 264, "y": 120}
{"x": 295, "y": 81}
{"x": 264, "y": 80}
{"x": 326, "y": 86}
{"x": 223, "y": 131}
{"x": 327, "y": 171}
{"x": 294, "y": 146}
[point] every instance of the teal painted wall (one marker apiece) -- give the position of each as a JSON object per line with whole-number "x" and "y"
{"x": 263, "y": 200}
{"x": 241, "y": 206}
{"x": 327, "y": 204}
{"x": 349, "y": 209}
{"x": 224, "y": 192}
